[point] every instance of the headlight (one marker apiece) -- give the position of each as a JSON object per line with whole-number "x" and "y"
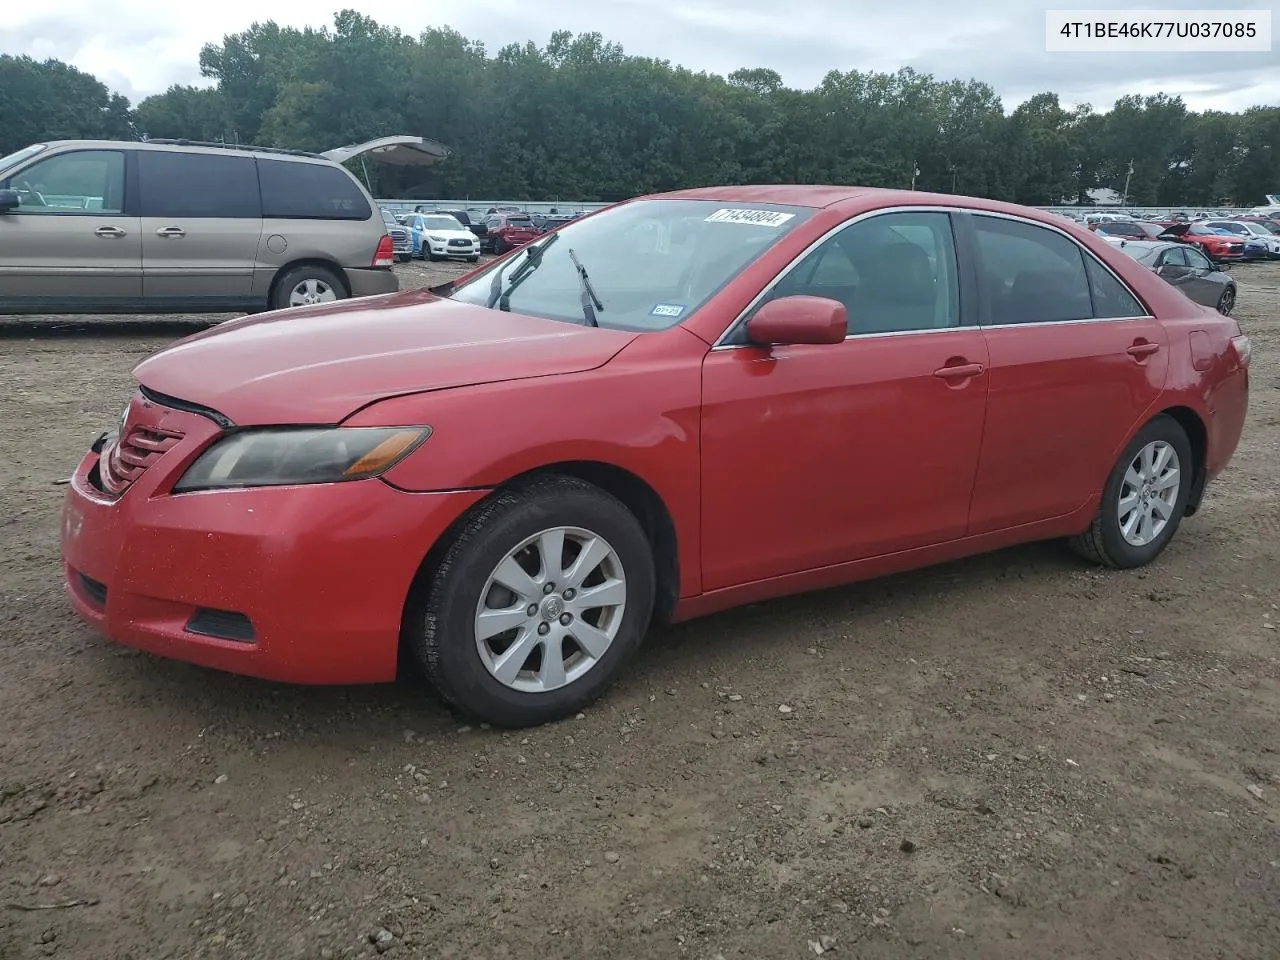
{"x": 279, "y": 456}
{"x": 438, "y": 239}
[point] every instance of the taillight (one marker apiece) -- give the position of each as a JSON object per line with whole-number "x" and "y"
{"x": 385, "y": 255}
{"x": 1243, "y": 348}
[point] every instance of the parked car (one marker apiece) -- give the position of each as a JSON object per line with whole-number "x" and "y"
{"x": 545, "y": 222}
{"x": 1265, "y": 244}
{"x": 1216, "y": 246}
{"x": 91, "y": 226}
{"x": 1185, "y": 267}
{"x": 438, "y": 236}
{"x": 505, "y": 231}
{"x": 514, "y": 473}
{"x": 1130, "y": 229}
{"x": 465, "y": 218}
{"x": 401, "y": 240}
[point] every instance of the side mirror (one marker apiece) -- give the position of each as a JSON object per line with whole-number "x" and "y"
{"x": 799, "y": 319}
{"x": 9, "y": 200}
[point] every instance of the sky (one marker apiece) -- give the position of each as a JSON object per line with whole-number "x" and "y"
{"x": 141, "y": 47}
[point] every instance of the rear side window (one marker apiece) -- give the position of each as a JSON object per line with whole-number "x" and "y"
{"x": 1111, "y": 298}
{"x": 176, "y": 185}
{"x": 1029, "y": 273}
{"x": 293, "y": 190}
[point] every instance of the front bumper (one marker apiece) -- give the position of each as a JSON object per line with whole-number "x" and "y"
{"x": 301, "y": 584}
{"x": 449, "y": 250}
{"x": 371, "y": 281}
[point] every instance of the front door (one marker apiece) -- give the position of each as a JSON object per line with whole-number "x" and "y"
{"x": 70, "y": 246}
{"x": 816, "y": 455}
{"x": 1076, "y": 362}
{"x": 201, "y": 225}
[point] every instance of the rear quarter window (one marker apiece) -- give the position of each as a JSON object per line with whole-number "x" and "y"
{"x": 295, "y": 190}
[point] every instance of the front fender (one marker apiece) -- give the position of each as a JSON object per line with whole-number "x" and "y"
{"x": 639, "y": 412}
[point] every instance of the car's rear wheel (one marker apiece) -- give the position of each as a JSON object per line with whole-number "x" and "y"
{"x": 500, "y": 246}
{"x": 1227, "y": 302}
{"x": 305, "y": 285}
{"x": 538, "y": 603}
{"x": 1144, "y": 498}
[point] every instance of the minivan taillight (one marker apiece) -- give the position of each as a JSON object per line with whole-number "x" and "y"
{"x": 385, "y": 255}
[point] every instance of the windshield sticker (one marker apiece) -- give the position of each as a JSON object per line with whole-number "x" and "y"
{"x": 667, "y": 310}
{"x": 759, "y": 218}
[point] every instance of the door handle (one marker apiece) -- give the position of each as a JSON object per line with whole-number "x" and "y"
{"x": 109, "y": 232}
{"x": 959, "y": 371}
{"x": 1142, "y": 350}
{"x": 171, "y": 232}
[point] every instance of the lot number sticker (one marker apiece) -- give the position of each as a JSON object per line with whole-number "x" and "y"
{"x": 667, "y": 310}
{"x": 759, "y": 218}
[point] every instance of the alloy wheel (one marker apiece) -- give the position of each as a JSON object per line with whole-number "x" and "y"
{"x": 550, "y": 610}
{"x": 1148, "y": 493}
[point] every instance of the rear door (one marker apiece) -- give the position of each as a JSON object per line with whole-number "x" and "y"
{"x": 72, "y": 245}
{"x": 201, "y": 223}
{"x": 1075, "y": 363}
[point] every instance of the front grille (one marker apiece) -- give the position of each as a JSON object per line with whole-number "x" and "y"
{"x": 221, "y": 624}
{"x": 396, "y": 234}
{"x": 137, "y": 448}
{"x": 93, "y": 589}
{"x": 461, "y": 243}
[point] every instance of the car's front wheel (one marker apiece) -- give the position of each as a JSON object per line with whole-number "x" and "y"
{"x": 538, "y": 603}
{"x": 1144, "y": 498}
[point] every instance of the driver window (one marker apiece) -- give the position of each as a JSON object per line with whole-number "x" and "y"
{"x": 894, "y": 273}
{"x": 80, "y": 182}
{"x": 1196, "y": 259}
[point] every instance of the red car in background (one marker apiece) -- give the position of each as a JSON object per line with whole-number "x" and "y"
{"x": 506, "y": 231}
{"x": 673, "y": 406}
{"x": 1216, "y": 246}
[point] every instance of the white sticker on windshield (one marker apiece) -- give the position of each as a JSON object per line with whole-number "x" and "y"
{"x": 759, "y": 218}
{"x": 667, "y": 310}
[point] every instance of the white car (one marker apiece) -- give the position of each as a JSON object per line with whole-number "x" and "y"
{"x": 438, "y": 236}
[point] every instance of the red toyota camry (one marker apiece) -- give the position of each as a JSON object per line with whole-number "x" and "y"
{"x": 678, "y": 404}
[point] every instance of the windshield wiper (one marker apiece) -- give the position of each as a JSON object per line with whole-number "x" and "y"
{"x": 531, "y": 261}
{"x": 590, "y": 302}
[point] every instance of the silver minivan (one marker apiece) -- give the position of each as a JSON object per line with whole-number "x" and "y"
{"x": 174, "y": 227}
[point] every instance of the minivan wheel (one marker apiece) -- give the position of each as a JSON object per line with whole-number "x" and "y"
{"x": 1144, "y": 498}
{"x": 305, "y": 285}
{"x": 538, "y": 603}
{"x": 1227, "y": 302}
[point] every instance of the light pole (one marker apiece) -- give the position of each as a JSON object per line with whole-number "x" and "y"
{"x": 953, "y": 178}
{"x": 1124, "y": 200}
{"x": 915, "y": 172}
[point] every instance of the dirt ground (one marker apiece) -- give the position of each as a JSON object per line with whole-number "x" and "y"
{"x": 1014, "y": 756}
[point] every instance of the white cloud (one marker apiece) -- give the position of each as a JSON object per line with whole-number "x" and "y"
{"x": 140, "y": 47}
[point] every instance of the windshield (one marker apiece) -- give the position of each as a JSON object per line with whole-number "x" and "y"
{"x": 19, "y": 155}
{"x": 442, "y": 223}
{"x": 652, "y": 263}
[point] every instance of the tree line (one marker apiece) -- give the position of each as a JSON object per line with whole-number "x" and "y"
{"x": 579, "y": 119}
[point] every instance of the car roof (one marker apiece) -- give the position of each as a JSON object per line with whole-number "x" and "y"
{"x": 852, "y": 198}
{"x": 266, "y": 153}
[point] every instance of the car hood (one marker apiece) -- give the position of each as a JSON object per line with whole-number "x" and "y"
{"x": 320, "y": 364}
{"x": 449, "y": 234}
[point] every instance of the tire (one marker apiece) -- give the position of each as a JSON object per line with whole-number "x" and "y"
{"x": 500, "y": 247}
{"x": 465, "y": 668}
{"x": 427, "y": 254}
{"x": 475, "y": 259}
{"x": 308, "y": 280}
{"x": 1105, "y": 542}
{"x": 403, "y": 257}
{"x": 1227, "y": 302}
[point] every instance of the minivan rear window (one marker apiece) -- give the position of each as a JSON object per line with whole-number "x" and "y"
{"x": 296, "y": 190}
{"x": 175, "y": 184}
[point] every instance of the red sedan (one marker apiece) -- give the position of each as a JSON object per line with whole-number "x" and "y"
{"x": 675, "y": 405}
{"x": 1216, "y": 245}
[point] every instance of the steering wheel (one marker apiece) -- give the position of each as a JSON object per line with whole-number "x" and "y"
{"x": 25, "y": 186}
